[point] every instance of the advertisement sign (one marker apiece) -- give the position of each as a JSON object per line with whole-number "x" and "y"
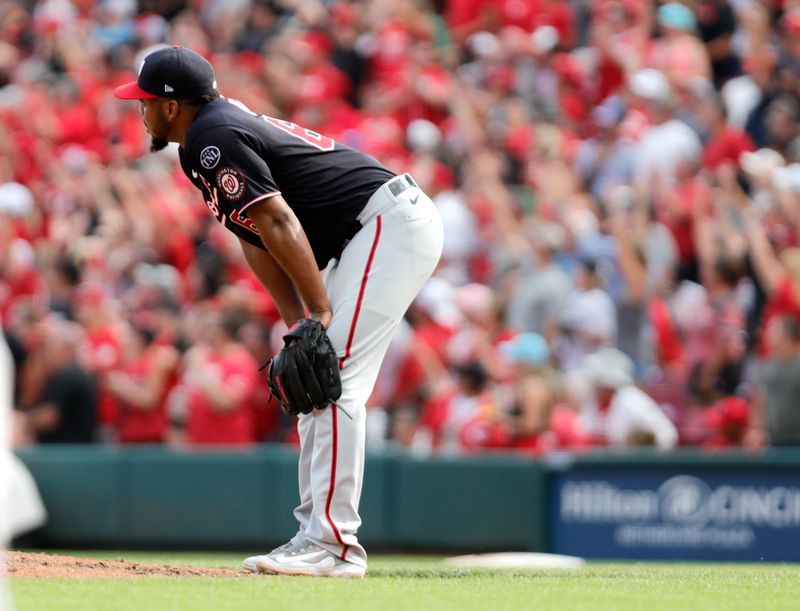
{"x": 654, "y": 514}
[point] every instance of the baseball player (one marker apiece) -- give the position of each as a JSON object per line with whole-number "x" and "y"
{"x": 300, "y": 202}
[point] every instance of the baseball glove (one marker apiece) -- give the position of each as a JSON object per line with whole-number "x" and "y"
{"x": 304, "y": 375}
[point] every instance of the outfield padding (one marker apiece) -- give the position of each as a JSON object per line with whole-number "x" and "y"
{"x": 158, "y": 497}
{"x": 638, "y": 504}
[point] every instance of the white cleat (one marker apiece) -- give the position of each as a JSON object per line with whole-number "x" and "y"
{"x": 251, "y": 564}
{"x": 307, "y": 559}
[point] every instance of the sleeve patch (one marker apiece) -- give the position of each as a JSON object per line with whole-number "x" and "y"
{"x": 209, "y": 157}
{"x": 232, "y": 182}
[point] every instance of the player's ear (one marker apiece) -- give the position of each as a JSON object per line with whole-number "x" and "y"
{"x": 173, "y": 108}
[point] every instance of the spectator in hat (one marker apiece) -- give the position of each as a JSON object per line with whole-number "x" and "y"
{"x": 679, "y": 53}
{"x": 537, "y": 419}
{"x": 620, "y": 414}
{"x": 667, "y": 142}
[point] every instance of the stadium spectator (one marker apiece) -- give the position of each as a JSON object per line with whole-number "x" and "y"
{"x": 461, "y": 418}
{"x": 540, "y": 286}
{"x": 679, "y": 53}
{"x": 482, "y": 330}
{"x": 776, "y": 417}
{"x": 65, "y": 410}
{"x": 619, "y": 413}
{"x": 221, "y": 383}
{"x": 666, "y": 143}
{"x": 716, "y": 23}
{"x": 538, "y": 421}
{"x": 101, "y": 348}
{"x": 141, "y": 386}
{"x": 587, "y": 320}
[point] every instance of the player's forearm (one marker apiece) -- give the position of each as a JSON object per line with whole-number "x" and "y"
{"x": 291, "y": 249}
{"x": 276, "y": 281}
{"x": 286, "y": 241}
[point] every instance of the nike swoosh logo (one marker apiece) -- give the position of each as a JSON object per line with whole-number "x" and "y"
{"x": 414, "y": 199}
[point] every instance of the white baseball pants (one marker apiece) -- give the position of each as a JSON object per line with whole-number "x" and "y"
{"x": 370, "y": 287}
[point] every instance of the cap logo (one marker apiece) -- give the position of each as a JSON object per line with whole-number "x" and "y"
{"x": 168, "y": 89}
{"x": 209, "y": 157}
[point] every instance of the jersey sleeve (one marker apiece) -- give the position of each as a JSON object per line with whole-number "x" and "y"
{"x": 226, "y": 159}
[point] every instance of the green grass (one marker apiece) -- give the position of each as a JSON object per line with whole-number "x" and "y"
{"x": 421, "y": 583}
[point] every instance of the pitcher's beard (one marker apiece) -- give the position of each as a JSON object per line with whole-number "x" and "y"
{"x": 158, "y": 144}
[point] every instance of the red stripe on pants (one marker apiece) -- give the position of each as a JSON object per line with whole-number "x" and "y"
{"x": 348, "y": 348}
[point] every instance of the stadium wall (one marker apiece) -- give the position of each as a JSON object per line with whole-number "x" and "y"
{"x": 682, "y": 505}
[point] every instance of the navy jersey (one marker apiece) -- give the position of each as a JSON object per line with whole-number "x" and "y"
{"x": 238, "y": 158}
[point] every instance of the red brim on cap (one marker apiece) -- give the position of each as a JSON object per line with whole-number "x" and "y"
{"x": 132, "y": 91}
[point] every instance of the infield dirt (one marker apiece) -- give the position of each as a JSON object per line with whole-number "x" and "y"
{"x": 29, "y": 564}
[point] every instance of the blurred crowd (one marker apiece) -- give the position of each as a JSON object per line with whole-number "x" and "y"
{"x": 619, "y": 182}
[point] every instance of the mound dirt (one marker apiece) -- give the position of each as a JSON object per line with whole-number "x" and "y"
{"x": 28, "y": 564}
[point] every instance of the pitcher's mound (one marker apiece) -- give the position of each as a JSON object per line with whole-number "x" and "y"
{"x": 27, "y": 564}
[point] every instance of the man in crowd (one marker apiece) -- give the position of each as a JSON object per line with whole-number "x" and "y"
{"x": 66, "y": 409}
{"x": 776, "y": 415}
{"x": 620, "y": 414}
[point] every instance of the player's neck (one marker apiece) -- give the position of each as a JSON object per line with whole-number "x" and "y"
{"x": 181, "y": 126}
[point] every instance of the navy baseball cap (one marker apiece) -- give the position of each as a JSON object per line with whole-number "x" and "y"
{"x": 173, "y": 72}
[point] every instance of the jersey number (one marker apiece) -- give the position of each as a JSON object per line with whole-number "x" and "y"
{"x": 308, "y": 136}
